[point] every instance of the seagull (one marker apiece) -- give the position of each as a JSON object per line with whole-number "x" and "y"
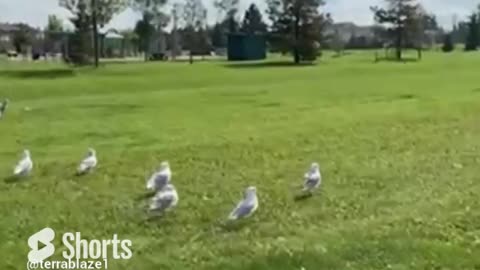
{"x": 89, "y": 163}
{"x": 160, "y": 178}
{"x": 313, "y": 178}
{"x": 247, "y": 206}
{"x": 165, "y": 199}
{"x": 25, "y": 165}
{"x": 3, "y": 107}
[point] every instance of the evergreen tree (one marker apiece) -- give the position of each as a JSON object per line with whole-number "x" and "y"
{"x": 296, "y": 26}
{"x": 447, "y": 43}
{"x": 218, "y": 37}
{"x": 145, "y": 30}
{"x": 80, "y": 52}
{"x": 471, "y": 44}
{"x": 227, "y": 10}
{"x": 253, "y": 21}
{"x": 195, "y": 17}
{"x": 55, "y": 24}
{"x": 153, "y": 19}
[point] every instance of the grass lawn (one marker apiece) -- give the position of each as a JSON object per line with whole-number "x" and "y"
{"x": 398, "y": 146}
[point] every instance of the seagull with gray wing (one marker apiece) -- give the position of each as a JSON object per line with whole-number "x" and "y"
{"x": 24, "y": 166}
{"x": 313, "y": 178}
{"x": 89, "y": 163}
{"x": 247, "y": 206}
{"x": 165, "y": 200}
{"x": 160, "y": 178}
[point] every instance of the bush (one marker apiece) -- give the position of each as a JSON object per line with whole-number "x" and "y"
{"x": 448, "y": 44}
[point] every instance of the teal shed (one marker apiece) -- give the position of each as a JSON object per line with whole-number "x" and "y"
{"x": 245, "y": 47}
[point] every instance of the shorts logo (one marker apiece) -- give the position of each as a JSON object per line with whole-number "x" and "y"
{"x": 44, "y": 240}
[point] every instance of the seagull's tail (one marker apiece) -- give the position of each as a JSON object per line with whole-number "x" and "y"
{"x": 81, "y": 170}
{"x": 232, "y": 217}
{"x": 149, "y": 184}
{"x": 18, "y": 171}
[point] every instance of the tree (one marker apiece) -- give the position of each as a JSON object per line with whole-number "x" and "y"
{"x": 460, "y": 32}
{"x": 144, "y": 30}
{"x": 195, "y": 18}
{"x": 175, "y": 46}
{"x": 472, "y": 39}
{"x": 202, "y": 41}
{"x": 227, "y": 8}
{"x": 80, "y": 44}
{"x": 337, "y": 44}
{"x": 448, "y": 44}
{"x": 218, "y": 36}
{"x": 297, "y": 26}
{"x": 152, "y": 18}
{"x": 231, "y": 25}
{"x": 105, "y": 9}
{"x": 403, "y": 17}
{"x": 132, "y": 39}
{"x": 55, "y": 24}
{"x": 100, "y": 13}
{"x": 253, "y": 22}
{"x": 22, "y": 37}
{"x": 227, "y": 12}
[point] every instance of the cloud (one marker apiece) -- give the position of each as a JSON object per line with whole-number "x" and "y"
{"x": 35, "y": 12}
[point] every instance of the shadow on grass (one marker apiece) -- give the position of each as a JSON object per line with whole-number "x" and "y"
{"x": 154, "y": 216}
{"x": 270, "y": 105}
{"x": 234, "y": 226}
{"x": 277, "y": 64}
{"x": 12, "y": 179}
{"x": 145, "y": 196}
{"x": 392, "y": 60}
{"x": 302, "y": 196}
{"x": 110, "y": 106}
{"x": 38, "y": 74}
{"x": 407, "y": 96}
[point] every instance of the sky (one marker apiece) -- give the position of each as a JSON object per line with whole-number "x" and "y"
{"x": 35, "y": 12}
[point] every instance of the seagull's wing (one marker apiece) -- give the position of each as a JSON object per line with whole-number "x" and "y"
{"x": 157, "y": 181}
{"x": 310, "y": 183}
{"x": 243, "y": 209}
{"x": 151, "y": 181}
{"x": 161, "y": 180}
{"x": 164, "y": 201}
{"x": 23, "y": 166}
{"x": 312, "y": 180}
{"x": 87, "y": 164}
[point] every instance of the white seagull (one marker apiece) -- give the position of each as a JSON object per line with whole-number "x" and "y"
{"x": 89, "y": 163}
{"x": 160, "y": 178}
{"x": 3, "y": 107}
{"x": 25, "y": 165}
{"x": 247, "y": 206}
{"x": 164, "y": 200}
{"x": 313, "y": 178}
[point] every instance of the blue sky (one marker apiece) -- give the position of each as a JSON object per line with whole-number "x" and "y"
{"x": 34, "y": 13}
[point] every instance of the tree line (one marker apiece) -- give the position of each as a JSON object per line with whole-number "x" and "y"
{"x": 297, "y": 27}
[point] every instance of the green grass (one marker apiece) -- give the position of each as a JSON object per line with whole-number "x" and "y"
{"x": 389, "y": 137}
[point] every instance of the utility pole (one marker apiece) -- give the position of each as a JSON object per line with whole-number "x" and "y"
{"x": 95, "y": 31}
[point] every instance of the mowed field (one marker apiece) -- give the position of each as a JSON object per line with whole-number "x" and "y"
{"x": 398, "y": 146}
